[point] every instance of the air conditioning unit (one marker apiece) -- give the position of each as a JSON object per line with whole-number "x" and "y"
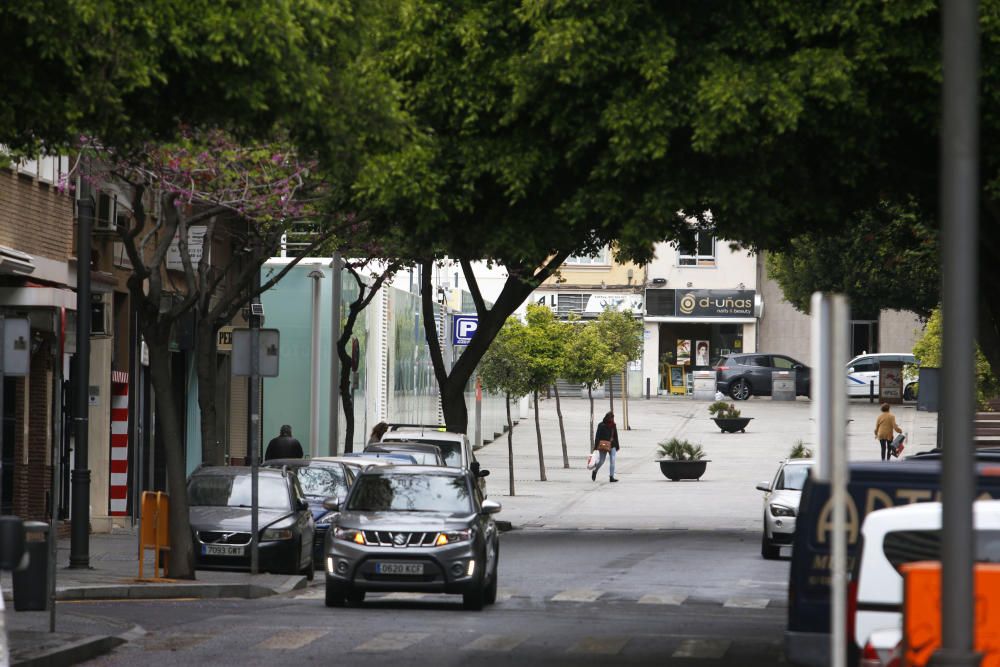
{"x": 106, "y": 220}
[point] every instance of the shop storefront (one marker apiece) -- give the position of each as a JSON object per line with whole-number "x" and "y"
{"x": 689, "y": 329}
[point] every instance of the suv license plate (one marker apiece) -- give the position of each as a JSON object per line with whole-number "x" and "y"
{"x": 221, "y": 550}
{"x": 399, "y": 568}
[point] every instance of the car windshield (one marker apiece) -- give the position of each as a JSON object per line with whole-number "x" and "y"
{"x": 234, "y": 491}
{"x": 908, "y": 546}
{"x": 793, "y": 478}
{"x": 322, "y": 481}
{"x": 410, "y": 493}
{"x": 450, "y": 450}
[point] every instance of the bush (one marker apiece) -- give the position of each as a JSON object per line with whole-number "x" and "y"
{"x": 800, "y": 451}
{"x": 723, "y": 410}
{"x": 681, "y": 450}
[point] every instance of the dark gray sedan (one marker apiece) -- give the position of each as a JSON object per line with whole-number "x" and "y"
{"x": 219, "y": 498}
{"x": 413, "y": 528}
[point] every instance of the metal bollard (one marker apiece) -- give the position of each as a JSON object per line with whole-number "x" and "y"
{"x": 647, "y": 389}
{"x": 871, "y": 391}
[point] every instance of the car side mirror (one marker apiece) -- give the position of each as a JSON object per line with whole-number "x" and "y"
{"x": 11, "y": 542}
{"x": 764, "y": 486}
{"x": 483, "y": 473}
{"x": 851, "y": 369}
{"x": 491, "y": 507}
{"x": 301, "y": 505}
{"x": 474, "y": 467}
{"x": 332, "y": 504}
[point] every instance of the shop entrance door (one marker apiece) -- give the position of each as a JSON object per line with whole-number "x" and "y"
{"x": 864, "y": 337}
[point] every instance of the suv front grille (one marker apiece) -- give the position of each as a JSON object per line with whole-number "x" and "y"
{"x": 219, "y": 537}
{"x": 385, "y": 538}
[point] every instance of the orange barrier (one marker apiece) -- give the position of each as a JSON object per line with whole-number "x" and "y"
{"x": 922, "y": 612}
{"x": 154, "y": 531}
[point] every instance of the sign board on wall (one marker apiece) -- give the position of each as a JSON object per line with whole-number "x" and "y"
{"x": 195, "y": 244}
{"x": 598, "y": 303}
{"x": 224, "y": 342}
{"x": 463, "y": 328}
{"x": 713, "y": 303}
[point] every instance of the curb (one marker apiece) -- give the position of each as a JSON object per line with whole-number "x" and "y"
{"x": 248, "y": 591}
{"x": 72, "y": 653}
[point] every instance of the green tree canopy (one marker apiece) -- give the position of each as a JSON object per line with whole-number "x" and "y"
{"x": 504, "y": 367}
{"x": 622, "y": 332}
{"x": 927, "y": 350}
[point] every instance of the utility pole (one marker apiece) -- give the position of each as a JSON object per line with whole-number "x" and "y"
{"x": 335, "y": 288}
{"x": 314, "y": 373}
{"x": 79, "y": 550}
{"x": 256, "y": 311}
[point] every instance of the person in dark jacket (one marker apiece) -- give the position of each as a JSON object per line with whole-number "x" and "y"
{"x": 377, "y": 432}
{"x": 284, "y": 446}
{"x": 606, "y": 430}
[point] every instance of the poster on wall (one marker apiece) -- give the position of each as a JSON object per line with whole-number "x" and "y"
{"x": 701, "y": 353}
{"x": 683, "y": 352}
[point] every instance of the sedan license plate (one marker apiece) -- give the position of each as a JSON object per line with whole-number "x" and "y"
{"x": 399, "y": 568}
{"x": 221, "y": 550}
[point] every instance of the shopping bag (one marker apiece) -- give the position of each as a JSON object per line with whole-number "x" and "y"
{"x": 592, "y": 460}
{"x": 897, "y": 444}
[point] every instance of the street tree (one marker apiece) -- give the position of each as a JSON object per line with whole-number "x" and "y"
{"x": 232, "y": 197}
{"x": 927, "y": 350}
{"x": 504, "y": 369}
{"x": 623, "y": 334}
{"x": 589, "y": 360}
{"x": 543, "y": 365}
{"x": 548, "y": 338}
{"x": 547, "y": 127}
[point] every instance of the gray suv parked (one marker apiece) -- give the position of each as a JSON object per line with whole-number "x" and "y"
{"x": 745, "y": 375}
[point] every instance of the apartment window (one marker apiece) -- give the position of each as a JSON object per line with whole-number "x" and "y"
{"x": 699, "y": 250}
{"x": 602, "y": 256}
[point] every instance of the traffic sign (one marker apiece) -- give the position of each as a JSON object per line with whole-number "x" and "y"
{"x": 463, "y": 328}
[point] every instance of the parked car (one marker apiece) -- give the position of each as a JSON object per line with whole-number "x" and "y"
{"x": 745, "y": 375}
{"x": 219, "y": 498}
{"x": 353, "y": 463}
{"x": 781, "y": 504}
{"x": 413, "y": 528}
{"x": 318, "y": 480}
{"x": 454, "y": 445}
{"x": 425, "y": 454}
{"x": 863, "y": 369}
{"x": 891, "y": 538}
{"x": 389, "y": 458}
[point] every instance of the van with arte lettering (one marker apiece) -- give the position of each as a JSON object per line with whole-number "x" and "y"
{"x": 872, "y": 486}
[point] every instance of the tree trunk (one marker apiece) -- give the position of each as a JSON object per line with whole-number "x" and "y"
{"x": 590, "y": 395}
{"x": 625, "y": 424}
{"x": 611, "y": 394}
{"x": 346, "y": 397}
{"x": 538, "y": 433}
{"x": 562, "y": 429}
{"x": 213, "y": 452}
{"x": 180, "y": 559}
{"x": 510, "y": 446}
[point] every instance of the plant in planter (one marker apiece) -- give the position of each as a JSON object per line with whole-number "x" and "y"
{"x": 682, "y": 460}
{"x": 800, "y": 451}
{"x": 727, "y": 417}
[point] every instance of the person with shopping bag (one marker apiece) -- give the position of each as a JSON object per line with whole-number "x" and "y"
{"x": 606, "y": 445}
{"x": 885, "y": 424}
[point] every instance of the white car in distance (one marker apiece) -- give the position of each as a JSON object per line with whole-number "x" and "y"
{"x": 781, "y": 505}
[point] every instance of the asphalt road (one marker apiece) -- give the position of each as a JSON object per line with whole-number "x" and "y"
{"x": 566, "y": 598}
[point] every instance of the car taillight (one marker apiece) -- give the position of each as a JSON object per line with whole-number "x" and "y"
{"x": 869, "y": 657}
{"x": 722, "y": 368}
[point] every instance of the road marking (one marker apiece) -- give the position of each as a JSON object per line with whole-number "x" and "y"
{"x": 508, "y": 593}
{"x": 755, "y": 583}
{"x": 173, "y": 642}
{"x": 495, "y": 643}
{"x": 312, "y": 593}
{"x": 402, "y": 597}
{"x": 291, "y": 639}
{"x": 392, "y": 641}
{"x": 702, "y": 648}
{"x": 577, "y": 595}
{"x": 600, "y": 645}
{"x": 747, "y": 603}
{"x": 663, "y": 599}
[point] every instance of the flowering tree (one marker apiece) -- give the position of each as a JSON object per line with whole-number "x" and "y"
{"x": 237, "y": 198}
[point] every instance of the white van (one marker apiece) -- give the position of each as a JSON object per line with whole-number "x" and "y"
{"x": 863, "y": 369}
{"x": 895, "y": 536}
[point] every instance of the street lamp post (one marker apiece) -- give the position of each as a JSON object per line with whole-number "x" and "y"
{"x": 79, "y": 551}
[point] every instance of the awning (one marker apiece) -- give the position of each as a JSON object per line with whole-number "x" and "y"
{"x": 38, "y": 297}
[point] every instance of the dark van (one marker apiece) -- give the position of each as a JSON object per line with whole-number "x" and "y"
{"x": 873, "y": 486}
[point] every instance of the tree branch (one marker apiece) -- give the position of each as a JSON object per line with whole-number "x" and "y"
{"x": 477, "y": 296}
{"x": 427, "y": 304}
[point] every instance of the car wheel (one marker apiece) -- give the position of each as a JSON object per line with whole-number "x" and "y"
{"x": 740, "y": 390}
{"x": 355, "y": 597}
{"x": 334, "y": 594}
{"x": 310, "y": 570}
{"x": 767, "y": 550}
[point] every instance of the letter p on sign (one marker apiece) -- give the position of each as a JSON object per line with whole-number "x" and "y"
{"x": 464, "y": 328}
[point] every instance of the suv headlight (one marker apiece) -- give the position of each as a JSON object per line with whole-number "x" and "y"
{"x": 349, "y": 535}
{"x": 272, "y": 534}
{"x": 453, "y": 537}
{"x": 781, "y": 510}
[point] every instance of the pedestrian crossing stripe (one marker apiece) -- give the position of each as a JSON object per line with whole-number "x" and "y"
{"x": 667, "y": 599}
{"x": 702, "y": 648}
{"x": 577, "y": 595}
{"x": 290, "y": 640}
{"x": 499, "y": 643}
{"x": 392, "y": 641}
{"x": 600, "y": 645}
{"x": 746, "y": 603}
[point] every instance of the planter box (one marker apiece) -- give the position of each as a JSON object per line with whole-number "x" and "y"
{"x": 732, "y": 424}
{"x": 677, "y": 470}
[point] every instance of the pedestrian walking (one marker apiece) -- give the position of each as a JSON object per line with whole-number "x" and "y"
{"x": 377, "y": 432}
{"x": 885, "y": 424}
{"x": 606, "y": 442}
{"x": 284, "y": 446}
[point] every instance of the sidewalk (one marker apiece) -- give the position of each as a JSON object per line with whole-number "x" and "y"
{"x": 725, "y": 498}
{"x": 114, "y": 566}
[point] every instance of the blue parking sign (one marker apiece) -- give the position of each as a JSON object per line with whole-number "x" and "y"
{"x": 463, "y": 328}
